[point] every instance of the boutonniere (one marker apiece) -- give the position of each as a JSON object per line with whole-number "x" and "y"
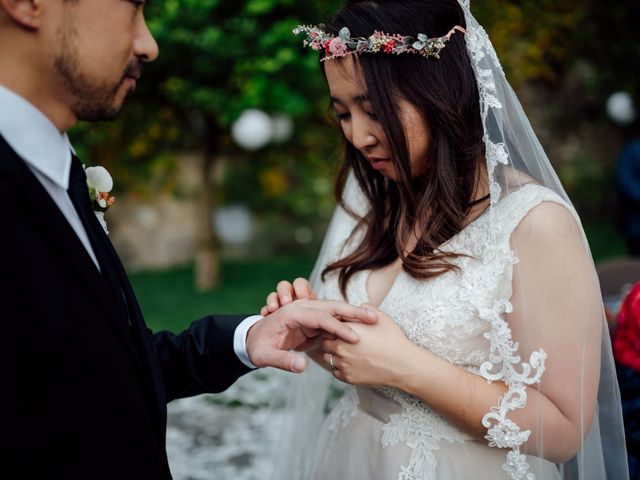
{"x": 100, "y": 185}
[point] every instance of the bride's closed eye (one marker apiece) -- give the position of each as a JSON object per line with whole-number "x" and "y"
{"x": 341, "y": 117}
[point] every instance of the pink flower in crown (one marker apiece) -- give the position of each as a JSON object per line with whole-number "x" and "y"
{"x": 337, "y": 47}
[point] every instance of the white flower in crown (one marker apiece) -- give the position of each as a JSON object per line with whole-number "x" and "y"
{"x": 100, "y": 184}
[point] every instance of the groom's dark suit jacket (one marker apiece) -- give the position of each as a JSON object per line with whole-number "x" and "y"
{"x": 84, "y": 383}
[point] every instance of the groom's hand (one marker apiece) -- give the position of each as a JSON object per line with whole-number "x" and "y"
{"x": 270, "y": 340}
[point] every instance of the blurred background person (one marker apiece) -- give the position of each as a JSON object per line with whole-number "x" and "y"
{"x": 622, "y": 111}
{"x": 626, "y": 350}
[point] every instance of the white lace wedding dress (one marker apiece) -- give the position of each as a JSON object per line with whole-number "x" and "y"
{"x": 387, "y": 434}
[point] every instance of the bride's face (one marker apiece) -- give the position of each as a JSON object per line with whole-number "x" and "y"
{"x": 362, "y": 128}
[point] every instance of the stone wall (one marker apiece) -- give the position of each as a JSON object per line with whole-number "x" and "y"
{"x": 159, "y": 231}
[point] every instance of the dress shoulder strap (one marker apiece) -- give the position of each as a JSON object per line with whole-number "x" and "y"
{"x": 515, "y": 206}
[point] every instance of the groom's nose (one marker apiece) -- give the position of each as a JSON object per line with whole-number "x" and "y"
{"x": 145, "y": 46}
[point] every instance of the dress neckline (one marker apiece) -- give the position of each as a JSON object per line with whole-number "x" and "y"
{"x": 473, "y": 224}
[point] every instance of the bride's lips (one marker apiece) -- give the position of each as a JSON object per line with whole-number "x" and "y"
{"x": 379, "y": 163}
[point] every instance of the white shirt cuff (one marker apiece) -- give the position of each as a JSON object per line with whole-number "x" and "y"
{"x": 240, "y": 339}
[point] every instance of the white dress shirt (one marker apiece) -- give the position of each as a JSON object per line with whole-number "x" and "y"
{"x": 47, "y": 153}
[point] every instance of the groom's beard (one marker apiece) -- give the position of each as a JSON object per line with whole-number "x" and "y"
{"x": 89, "y": 99}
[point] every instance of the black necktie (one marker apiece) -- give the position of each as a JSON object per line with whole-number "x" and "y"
{"x": 79, "y": 194}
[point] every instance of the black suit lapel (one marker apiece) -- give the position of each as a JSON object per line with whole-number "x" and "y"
{"x": 63, "y": 236}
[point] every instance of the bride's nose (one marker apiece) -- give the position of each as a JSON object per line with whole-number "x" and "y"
{"x": 363, "y": 135}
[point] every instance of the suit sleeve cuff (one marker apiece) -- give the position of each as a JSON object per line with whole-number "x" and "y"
{"x": 240, "y": 339}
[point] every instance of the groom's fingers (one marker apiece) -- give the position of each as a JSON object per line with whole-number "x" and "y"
{"x": 307, "y": 319}
{"x": 346, "y": 311}
{"x": 287, "y": 361}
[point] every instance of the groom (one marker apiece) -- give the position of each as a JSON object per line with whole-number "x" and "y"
{"x": 84, "y": 383}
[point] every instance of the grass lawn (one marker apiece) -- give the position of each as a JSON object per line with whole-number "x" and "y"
{"x": 170, "y": 301}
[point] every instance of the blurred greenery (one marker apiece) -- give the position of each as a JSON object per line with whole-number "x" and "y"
{"x": 218, "y": 58}
{"x": 170, "y": 301}
{"x": 605, "y": 241}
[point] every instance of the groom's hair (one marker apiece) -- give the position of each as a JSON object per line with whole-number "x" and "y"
{"x": 445, "y": 91}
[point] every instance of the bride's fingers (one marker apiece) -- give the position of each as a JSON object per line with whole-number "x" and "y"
{"x": 329, "y": 346}
{"x": 336, "y": 372}
{"x": 302, "y": 289}
{"x": 285, "y": 292}
{"x": 272, "y": 302}
{"x": 331, "y": 360}
{"x": 370, "y": 306}
{"x": 264, "y": 311}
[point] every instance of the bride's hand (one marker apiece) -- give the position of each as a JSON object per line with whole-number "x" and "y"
{"x": 376, "y": 360}
{"x": 287, "y": 292}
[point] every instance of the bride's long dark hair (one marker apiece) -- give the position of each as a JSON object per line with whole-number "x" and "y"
{"x": 437, "y": 202}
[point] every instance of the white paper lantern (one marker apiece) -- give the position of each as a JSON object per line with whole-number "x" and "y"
{"x": 282, "y": 128}
{"x": 233, "y": 224}
{"x": 252, "y": 130}
{"x": 620, "y": 108}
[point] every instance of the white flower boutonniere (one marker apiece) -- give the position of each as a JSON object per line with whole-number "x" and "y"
{"x": 100, "y": 185}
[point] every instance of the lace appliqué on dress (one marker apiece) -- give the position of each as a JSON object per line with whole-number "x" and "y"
{"x": 421, "y": 429}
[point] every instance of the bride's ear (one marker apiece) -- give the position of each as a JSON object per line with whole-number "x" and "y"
{"x": 25, "y": 13}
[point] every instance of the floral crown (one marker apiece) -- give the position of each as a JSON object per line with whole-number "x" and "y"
{"x": 379, "y": 42}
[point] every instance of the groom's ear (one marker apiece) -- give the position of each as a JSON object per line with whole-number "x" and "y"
{"x": 25, "y": 13}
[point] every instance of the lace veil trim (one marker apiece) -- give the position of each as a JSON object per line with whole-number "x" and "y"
{"x": 504, "y": 362}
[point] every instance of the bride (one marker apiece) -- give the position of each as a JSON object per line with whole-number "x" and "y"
{"x": 490, "y": 358}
